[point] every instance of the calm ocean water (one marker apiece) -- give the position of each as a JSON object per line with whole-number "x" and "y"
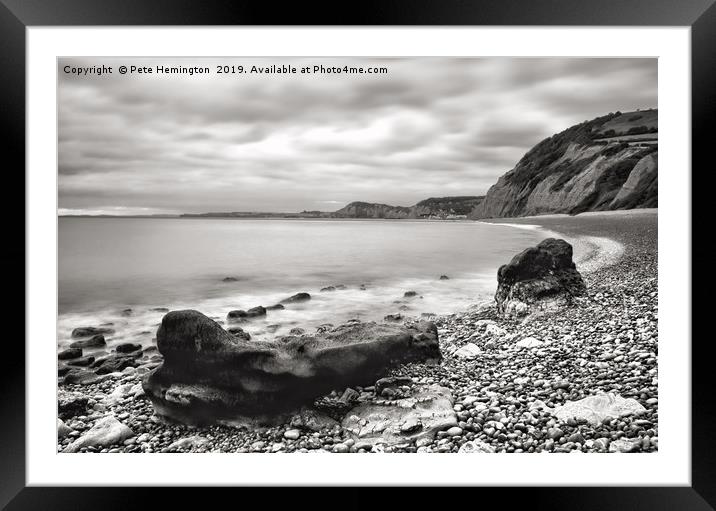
{"x": 107, "y": 265}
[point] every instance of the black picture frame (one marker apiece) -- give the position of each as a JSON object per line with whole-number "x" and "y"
{"x": 17, "y": 15}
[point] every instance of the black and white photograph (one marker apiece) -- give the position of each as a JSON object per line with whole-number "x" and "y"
{"x": 357, "y": 255}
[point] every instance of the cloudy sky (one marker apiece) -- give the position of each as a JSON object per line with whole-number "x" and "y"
{"x": 146, "y": 143}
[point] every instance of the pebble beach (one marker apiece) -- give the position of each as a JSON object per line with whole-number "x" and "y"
{"x": 507, "y": 378}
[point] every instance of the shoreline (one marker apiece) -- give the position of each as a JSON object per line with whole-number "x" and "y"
{"x": 589, "y": 347}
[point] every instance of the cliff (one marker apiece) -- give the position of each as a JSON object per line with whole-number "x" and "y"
{"x": 434, "y": 207}
{"x": 607, "y": 163}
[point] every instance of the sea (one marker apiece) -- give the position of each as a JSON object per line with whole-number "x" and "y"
{"x": 128, "y": 271}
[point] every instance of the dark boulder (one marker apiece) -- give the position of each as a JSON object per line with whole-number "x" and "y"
{"x": 240, "y": 315}
{"x": 298, "y": 297}
{"x": 95, "y": 341}
{"x": 71, "y": 404}
{"x": 69, "y": 353}
{"x": 278, "y": 306}
{"x": 81, "y": 362}
{"x": 410, "y": 294}
{"x": 239, "y": 332}
{"x": 87, "y": 331}
{"x": 391, "y": 382}
{"x": 116, "y": 363}
{"x": 80, "y": 376}
{"x": 128, "y": 347}
{"x": 538, "y": 277}
{"x": 209, "y": 374}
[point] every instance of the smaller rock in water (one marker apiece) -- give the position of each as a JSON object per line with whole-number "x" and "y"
{"x": 159, "y": 309}
{"x": 444, "y": 277}
{"x": 297, "y": 331}
{"x": 410, "y": 294}
{"x": 127, "y": 312}
{"x": 69, "y": 353}
{"x": 475, "y": 446}
{"x": 393, "y": 317}
{"x": 87, "y": 331}
{"x": 298, "y": 297}
{"x": 529, "y": 342}
{"x": 327, "y": 288}
{"x": 278, "y": 306}
{"x": 240, "y": 333}
{"x": 128, "y": 347}
{"x": 106, "y": 431}
{"x": 469, "y": 351}
{"x": 229, "y": 279}
{"x": 253, "y": 312}
{"x": 95, "y": 341}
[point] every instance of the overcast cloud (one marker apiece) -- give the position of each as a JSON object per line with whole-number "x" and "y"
{"x": 430, "y": 127}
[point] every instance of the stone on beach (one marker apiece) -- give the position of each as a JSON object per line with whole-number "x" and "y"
{"x": 594, "y": 409}
{"x": 207, "y": 373}
{"x": 312, "y": 420}
{"x": 529, "y": 342}
{"x": 476, "y": 446}
{"x": 106, "y": 431}
{"x": 625, "y": 445}
{"x": 70, "y": 404}
{"x": 63, "y": 429}
{"x": 428, "y": 410}
{"x": 191, "y": 444}
{"x": 468, "y": 351}
{"x": 538, "y": 277}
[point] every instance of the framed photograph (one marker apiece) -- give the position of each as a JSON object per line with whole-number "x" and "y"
{"x": 414, "y": 246}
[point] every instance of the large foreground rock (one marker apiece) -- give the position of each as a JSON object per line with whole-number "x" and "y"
{"x": 209, "y": 374}
{"x": 428, "y": 410}
{"x": 538, "y": 278}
